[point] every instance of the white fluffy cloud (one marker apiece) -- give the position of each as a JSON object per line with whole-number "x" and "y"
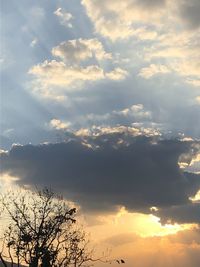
{"x": 135, "y": 110}
{"x": 51, "y": 74}
{"x": 118, "y": 19}
{"x": 164, "y": 24}
{"x": 64, "y": 17}
{"x": 194, "y": 165}
{"x": 180, "y": 54}
{"x": 194, "y": 82}
{"x": 117, "y": 74}
{"x": 115, "y": 18}
{"x": 188, "y": 68}
{"x": 136, "y": 115}
{"x": 59, "y": 125}
{"x": 104, "y": 130}
{"x": 153, "y": 70}
{"x": 74, "y": 51}
{"x": 57, "y": 73}
{"x": 80, "y": 60}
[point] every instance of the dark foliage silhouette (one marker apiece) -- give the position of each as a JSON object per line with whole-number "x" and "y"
{"x": 42, "y": 231}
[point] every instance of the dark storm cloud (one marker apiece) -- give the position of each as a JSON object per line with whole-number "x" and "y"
{"x": 190, "y": 11}
{"x": 188, "y": 213}
{"x": 138, "y": 176}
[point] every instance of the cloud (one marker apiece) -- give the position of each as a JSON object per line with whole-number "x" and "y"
{"x": 169, "y": 49}
{"x": 180, "y": 250}
{"x": 74, "y": 51}
{"x": 194, "y": 165}
{"x": 151, "y": 4}
{"x": 64, "y": 17}
{"x": 101, "y": 173}
{"x": 118, "y": 20}
{"x": 7, "y": 181}
{"x": 143, "y": 33}
{"x": 79, "y": 64}
{"x": 125, "y": 131}
{"x": 189, "y": 213}
{"x": 34, "y": 42}
{"x": 132, "y": 114}
{"x": 120, "y": 239}
{"x": 188, "y": 68}
{"x": 179, "y": 53}
{"x": 51, "y": 74}
{"x": 117, "y": 74}
{"x": 189, "y": 11}
{"x": 115, "y": 19}
{"x": 135, "y": 110}
{"x": 59, "y": 125}
{"x": 194, "y": 82}
{"x": 153, "y": 70}
{"x": 198, "y": 99}
{"x": 56, "y": 73}
{"x": 134, "y": 120}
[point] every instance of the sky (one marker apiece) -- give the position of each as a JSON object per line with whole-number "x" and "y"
{"x": 100, "y": 100}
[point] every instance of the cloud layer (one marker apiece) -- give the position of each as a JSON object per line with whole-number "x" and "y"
{"x": 110, "y": 170}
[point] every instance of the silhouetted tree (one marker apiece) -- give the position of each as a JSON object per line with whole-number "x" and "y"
{"x": 42, "y": 231}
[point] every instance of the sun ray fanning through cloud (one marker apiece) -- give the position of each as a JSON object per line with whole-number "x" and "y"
{"x": 100, "y": 100}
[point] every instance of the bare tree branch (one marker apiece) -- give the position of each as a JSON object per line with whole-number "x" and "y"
{"x": 42, "y": 231}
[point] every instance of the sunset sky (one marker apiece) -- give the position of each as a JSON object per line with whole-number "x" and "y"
{"x": 100, "y": 100}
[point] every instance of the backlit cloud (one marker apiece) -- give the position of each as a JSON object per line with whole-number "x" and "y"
{"x": 71, "y": 72}
{"x": 113, "y": 24}
{"x": 51, "y": 74}
{"x": 74, "y": 51}
{"x": 147, "y": 20}
{"x": 143, "y": 170}
{"x": 101, "y": 101}
{"x": 56, "y": 73}
{"x": 59, "y": 125}
{"x": 133, "y": 114}
{"x": 153, "y": 70}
